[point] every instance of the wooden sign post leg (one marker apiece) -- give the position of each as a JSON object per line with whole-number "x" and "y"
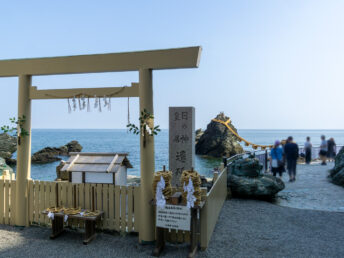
{"x": 194, "y": 234}
{"x": 160, "y": 241}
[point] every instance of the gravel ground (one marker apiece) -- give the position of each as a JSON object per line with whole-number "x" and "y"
{"x": 246, "y": 228}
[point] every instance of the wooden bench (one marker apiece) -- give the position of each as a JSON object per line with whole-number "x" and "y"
{"x": 90, "y": 225}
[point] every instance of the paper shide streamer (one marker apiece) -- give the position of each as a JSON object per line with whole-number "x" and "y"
{"x": 83, "y": 102}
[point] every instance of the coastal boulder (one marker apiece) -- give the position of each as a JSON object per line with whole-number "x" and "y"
{"x": 4, "y": 166}
{"x": 337, "y": 173}
{"x": 51, "y": 154}
{"x": 8, "y": 145}
{"x": 249, "y": 167}
{"x": 255, "y": 187}
{"x": 246, "y": 180}
{"x": 59, "y": 174}
{"x": 218, "y": 141}
{"x": 198, "y": 135}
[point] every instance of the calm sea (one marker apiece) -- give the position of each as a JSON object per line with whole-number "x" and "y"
{"x": 121, "y": 141}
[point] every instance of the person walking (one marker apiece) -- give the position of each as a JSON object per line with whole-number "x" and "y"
{"x": 323, "y": 150}
{"x": 331, "y": 149}
{"x": 308, "y": 150}
{"x": 276, "y": 161}
{"x": 291, "y": 150}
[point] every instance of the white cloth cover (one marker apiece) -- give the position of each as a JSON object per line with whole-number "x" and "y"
{"x": 51, "y": 215}
{"x": 160, "y": 198}
{"x": 190, "y": 198}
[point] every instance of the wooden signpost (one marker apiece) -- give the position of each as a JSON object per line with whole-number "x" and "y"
{"x": 178, "y": 217}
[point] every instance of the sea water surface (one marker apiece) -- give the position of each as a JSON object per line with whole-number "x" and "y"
{"x": 118, "y": 140}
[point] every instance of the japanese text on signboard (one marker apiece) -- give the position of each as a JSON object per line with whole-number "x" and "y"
{"x": 173, "y": 217}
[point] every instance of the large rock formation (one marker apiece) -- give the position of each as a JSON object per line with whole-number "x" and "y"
{"x": 198, "y": 135}
{"x": 4, "y": 166}
{"x": 218, "y": 141}
{"x": 246, "y": 180}
{"x": 50, "y": 154}
{"x": 337, "y": 173}
{"x": 59, "y": 174}
{"x": 8, "y": 145}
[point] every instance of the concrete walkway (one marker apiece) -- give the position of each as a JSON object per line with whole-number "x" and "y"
{"x": 312, "y": 189}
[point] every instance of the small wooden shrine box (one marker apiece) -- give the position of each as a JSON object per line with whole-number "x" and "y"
{"x": 99, "y": 168}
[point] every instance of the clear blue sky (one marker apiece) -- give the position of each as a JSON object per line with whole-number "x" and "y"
{"x": 266, "y": 64}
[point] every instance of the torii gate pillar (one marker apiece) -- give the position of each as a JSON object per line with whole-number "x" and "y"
{"x": 23, "y": 152}
{"x": 147, "y": 161}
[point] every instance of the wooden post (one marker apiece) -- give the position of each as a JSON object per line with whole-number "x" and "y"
{"x": 74, "y": 196}
{"x": 57, "y": 194}
{"x": 93, "y": 204}
{"x": 224, "y": 160}
{"x": 146, "y": 231}
{"x": 23, "y": 152}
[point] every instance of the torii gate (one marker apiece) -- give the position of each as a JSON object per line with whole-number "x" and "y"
{"x": 143, "y": 61}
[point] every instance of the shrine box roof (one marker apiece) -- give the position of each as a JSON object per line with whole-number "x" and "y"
{"x": 96, "y": 162}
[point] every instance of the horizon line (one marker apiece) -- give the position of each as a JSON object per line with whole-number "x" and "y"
{"x": 280, "y": 129}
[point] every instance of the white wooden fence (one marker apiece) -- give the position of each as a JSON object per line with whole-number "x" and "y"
{"x": 119, "y": 203}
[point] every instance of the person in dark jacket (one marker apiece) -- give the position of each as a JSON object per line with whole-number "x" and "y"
{"x": 308, "y": 150}
{"x": 331, "y": 149}
{"x": 291, "y": 151}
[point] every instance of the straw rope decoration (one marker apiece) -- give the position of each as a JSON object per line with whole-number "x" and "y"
{"x": 247, "y": 143}
{"x": 196, "y": 181}
{"x": 167, "y": 176}
{"x": 73, "y": 211}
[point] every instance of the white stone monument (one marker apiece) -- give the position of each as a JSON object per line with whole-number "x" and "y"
{"x": 181, "y": 141}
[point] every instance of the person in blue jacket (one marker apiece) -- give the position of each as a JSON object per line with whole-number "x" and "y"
{"x": 277, "y": 159}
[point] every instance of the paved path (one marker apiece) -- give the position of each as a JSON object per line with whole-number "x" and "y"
{"x": 312, "y": 189}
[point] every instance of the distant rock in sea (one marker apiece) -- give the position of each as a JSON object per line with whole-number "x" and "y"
{"x": 217, "y": 140}
{"x": 50, "y": 154}
{"x": 8, "y": 145}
